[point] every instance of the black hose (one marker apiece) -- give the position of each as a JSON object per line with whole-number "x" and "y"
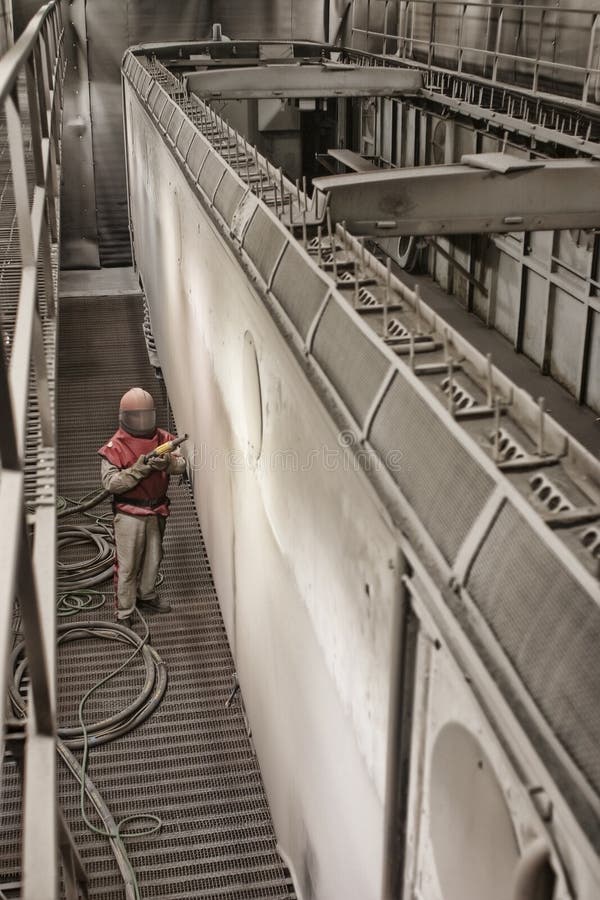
{"x": 101, "y": 732}
{"x": 70, "y": 603}
{"x": 77, "y": 575}
{"x": 105, "y": 814}
{"x": 128, "y": 718}
{"x": 82, "y": 506}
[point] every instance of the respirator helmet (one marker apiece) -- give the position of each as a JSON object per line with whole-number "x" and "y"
{"x": 137, "y": 414}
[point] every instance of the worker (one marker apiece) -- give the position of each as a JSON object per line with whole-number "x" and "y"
{"x": 140, "y": 502}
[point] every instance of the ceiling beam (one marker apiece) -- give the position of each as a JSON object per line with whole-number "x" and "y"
{"x": 487, "y": 192}
{"x": 304, "y": 81}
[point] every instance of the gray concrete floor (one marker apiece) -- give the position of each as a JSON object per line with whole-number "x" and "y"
{"x": 115, "y": 282}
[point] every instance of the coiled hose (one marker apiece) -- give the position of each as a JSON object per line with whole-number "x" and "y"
{"x": 86, "y": 735}
{"x": 75, "y": 576}
{"x": 127, "y": 719}
{"x": 77, "y": 580}
{"x": 76, "y": 583}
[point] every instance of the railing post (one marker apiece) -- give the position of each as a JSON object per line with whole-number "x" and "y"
{"x": 39, "y": 85}
{"x": 590, "y": 58}
{"x": 19, "y": 179}
{"x": 59, "y": 37}
{"x": 488, "y": 32}
{"x": 26, "y": 329}
{"x": 401, "y": 28}
{"x": 460, "y": 37}
{"x": 385, "y": 26}
{"x": 11, "y": 497}
{"x": 498, "y": 44}
{"x": 50, "y": 131}
{"x": 34, "y": 642}
{"x": 54, "y": 108}
{"x": 74, "y": 873}
{"x": 35, "y": 121}
{"x": 538, "y": 52}
{"x": 9, "y": 451}
{"x": 430, "y": 49}
{"x": 41, "y": 178}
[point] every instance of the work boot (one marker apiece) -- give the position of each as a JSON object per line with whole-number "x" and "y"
{"x": 156, "y": 604}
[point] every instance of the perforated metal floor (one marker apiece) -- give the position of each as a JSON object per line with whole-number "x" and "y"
{"x": 36, "y": 457}
{"x": 192, "y": 763}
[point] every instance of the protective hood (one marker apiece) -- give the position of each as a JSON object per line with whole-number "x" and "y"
{"x": 138, "y": 422}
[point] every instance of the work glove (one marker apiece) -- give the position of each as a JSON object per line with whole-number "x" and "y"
{"x": 140, "y": 469}
{"x": 178, "y": 464}
{"x": 159, "y": 463}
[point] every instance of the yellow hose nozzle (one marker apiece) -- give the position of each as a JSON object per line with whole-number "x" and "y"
{"x": 167, "y": 447}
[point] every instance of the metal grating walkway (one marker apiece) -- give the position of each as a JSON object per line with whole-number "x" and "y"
{"x": 36, "y": 456}
{"x": 38, "y": 459}
{"x": 192, "y": 762}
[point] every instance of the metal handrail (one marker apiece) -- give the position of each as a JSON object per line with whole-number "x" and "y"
{"x": 11, "y": 64}
{"x": 27, "y": 568}
{"x": 493, "y": 15}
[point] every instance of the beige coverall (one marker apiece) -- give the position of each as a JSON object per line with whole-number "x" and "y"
{"x": 138, "y": 538}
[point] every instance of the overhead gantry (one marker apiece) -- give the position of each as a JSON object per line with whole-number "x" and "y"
{"x": 302, "y": 79}
{"x": 486, "y": 192}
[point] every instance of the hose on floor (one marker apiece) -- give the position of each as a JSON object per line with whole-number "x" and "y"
{"x": 86, "y": 735}
{"x": 131, "y": 716}
{"x": 67, "y": 507}
{"x": 72, "y": 602}
{"x": 75, "y": 576}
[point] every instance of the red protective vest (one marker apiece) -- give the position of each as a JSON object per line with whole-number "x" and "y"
{"x": 123, "y": 450}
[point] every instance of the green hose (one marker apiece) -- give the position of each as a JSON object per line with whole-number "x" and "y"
{"x": 76, "y": 576}
{"x": 72, "y": 602}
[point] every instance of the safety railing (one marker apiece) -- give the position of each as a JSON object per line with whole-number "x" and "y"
{"x": 31, "y": 76}
{"x": 540, "y": 48}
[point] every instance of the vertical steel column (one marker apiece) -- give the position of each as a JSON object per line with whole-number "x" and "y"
{"x": 584, "y": 360}
{"x": 6, "y": 25}
{"x": 590, "y": 58}
{"x": 538, "y": 52}
{"x": 431, "y": 45}
{"x": 498, "y": 45}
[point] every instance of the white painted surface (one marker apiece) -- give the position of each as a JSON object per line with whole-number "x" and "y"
{"x": 301, "y": 554}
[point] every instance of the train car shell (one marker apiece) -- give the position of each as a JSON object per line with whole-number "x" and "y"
{"x": 363, "y": 694}
{"x": 308, "y": 589}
